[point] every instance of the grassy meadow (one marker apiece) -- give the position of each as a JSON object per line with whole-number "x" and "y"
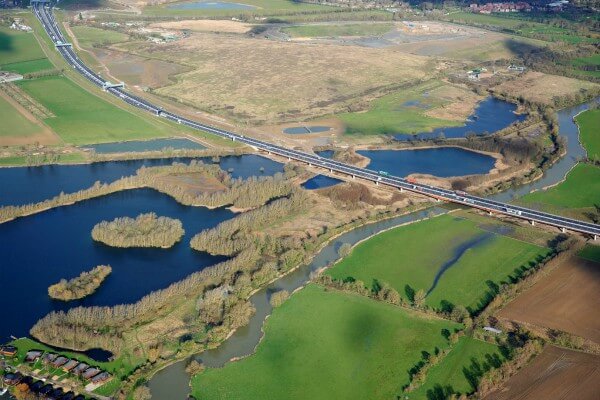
{"x": 460, "y": 370}
{"x": 83, "y": 118}
{"x": 323, "y": 344}
{"x": 403, "y": 111}
{"x": 14, "y": 123}
{"x": 338, "y": 30}
{"x": 588, "y": 123}
{"x": 88, "y": 36}
{"x": 409, "y": 257}
{"x": 576, "y": 196}
{"x": 591, "y": 252}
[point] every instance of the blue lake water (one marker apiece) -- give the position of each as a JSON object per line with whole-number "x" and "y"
{"x": 210, "y": 5}
{"x": 25, "y": 185}
{"x": 299, "y": 130}
{"x": 490, "y": 116}
{"x": 320, "y": 182}
{"x": 145, "y": 145}
{"x": 442, "y": 162}
{"x": 40, "y": 249}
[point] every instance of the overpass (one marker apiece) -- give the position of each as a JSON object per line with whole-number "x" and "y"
{"x": 44, "y": 14}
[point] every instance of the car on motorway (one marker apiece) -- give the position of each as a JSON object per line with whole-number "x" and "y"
{"x": 512, "y": 211}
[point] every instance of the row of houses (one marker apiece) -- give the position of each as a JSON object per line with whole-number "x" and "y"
{"x": 41, "y": 389}
{"x": 489, "y": 8}
{"x": 80, "y": 369}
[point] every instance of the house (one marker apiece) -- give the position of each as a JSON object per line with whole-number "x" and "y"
{"x": 9, "y": 351}
{"x": 32, "y": 356}
{"x": 103, "y": 377}
{"x": 70, "y": 365}
{"x": 90, "y": 373}
{"x": 12, "y": 378}
{"x": 80, "y": 369}
{"x": 49, "y": 357}
{"x": 59, "y": 361}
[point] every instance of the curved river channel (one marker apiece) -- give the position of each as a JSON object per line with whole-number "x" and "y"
{"x": 173, "y": 382}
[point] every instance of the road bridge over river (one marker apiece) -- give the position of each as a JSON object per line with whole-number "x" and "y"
{"x": 43, "y": 11}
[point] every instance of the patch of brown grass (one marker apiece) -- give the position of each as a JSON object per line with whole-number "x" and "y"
{"x": 205, "y": 25}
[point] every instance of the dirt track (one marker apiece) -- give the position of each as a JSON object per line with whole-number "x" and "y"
{"x": 555, "y": 374}
{"x": 568, "y": 299}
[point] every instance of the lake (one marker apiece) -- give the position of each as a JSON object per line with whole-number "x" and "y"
{"x": 40, "y": 249}
{"x": 490, "y": 116}
{"x": 210, "y": 5}
{"x": 23, "y": 185}
{"x": 133, "y": 146}
{"x": 442, "y": 162}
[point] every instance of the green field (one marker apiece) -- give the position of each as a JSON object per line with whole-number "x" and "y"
{"x": 460, "y": 369}
{"x": 83, "y": 118}
{"x": 14, "y": 123}
{"x": 328, "y": 345}
{"x": 576, "y": 196}
{"x": 519, "y": 26}
{"x": 263, "y": 7}
{"x": 591, "y": 252}
{"x": 589, "y": 133}
{"x": 20, "y": 52}
{"x": 412, "y": 255}
{"x": 27, "y": 67}
{"x": 592, "y": 61}
{"x": 397, "y": 113}
{"x": 368, "y": 29}
{"x": 88, "y": 36}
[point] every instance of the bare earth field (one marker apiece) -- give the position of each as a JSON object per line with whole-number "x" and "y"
{"x": 540, "y": 87}
{"x": 556, "y": 373}
{"x": 205, "y": 25}
{"x": 567, "y": 299}
{"x": 268, "y": 81}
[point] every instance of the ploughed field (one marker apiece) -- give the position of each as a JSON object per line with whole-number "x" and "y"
{"x": 468, "y": 260}
{"x": 555, "y": 374}
{"x": 324, "y": 344}
{"x": 567, "y": 299}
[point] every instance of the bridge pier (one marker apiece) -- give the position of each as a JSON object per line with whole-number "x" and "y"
{"x": 595, "y": 237}
{"x": 289, "y": 159}
{"x": 563, "y": 230}
{"x": 353, "y": 177}
{"x": 489, "y": 213}
{"x": 377, "y": 183}
{"x": 401, "y": 190}
{"x": 330, "y": 170}
{"x": 532, "y": 222}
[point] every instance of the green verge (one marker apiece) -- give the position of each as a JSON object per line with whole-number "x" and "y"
{"x": 83, "y": 118}
{"x": 588, "y": 123}
{"x": 398, "y": 113}
{"x": 323, "y": 344}
{"x": 577, "y": 196}
{"x": 460, "y": 370}
{"x": 590, "y": 252}
{"x": 409, "y": 257}
{"x": 338, "y": 30}
{"x": 14, "y": 124}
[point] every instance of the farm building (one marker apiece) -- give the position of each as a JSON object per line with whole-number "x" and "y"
{"x": 33, "y": 355}
{"x": 9, "y": 351}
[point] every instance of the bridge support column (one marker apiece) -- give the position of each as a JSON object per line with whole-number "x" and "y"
{"x": 233, "y": 139}
{"x": 330, "y": 171}
{"x": 532, "y": 222}
{"x": 489, "y": 213}
{"x": 309, "y": 164}
{"x": 289, "y": 159}
{"x": 437, "y": 200}
{"x": 353, "y": 177}
{"x": 401, "y": 190}
{"x": 595, "y": 237}
{"x": 377, "y": 183}
{"x": 563, "y": 230}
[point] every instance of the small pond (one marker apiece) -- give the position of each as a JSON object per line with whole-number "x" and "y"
{"x": 23, "y": 185}
{"x": 210, "y": 5}
{"x": 145, "y": 145}
{"x": 490, "y": 116}
{"x": 320, "y": 182}
{"x": 299, "y": 130}
{"x": 442, "y": 162}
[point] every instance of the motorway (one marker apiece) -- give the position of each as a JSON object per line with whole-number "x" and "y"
{"x": 44, "y": 14}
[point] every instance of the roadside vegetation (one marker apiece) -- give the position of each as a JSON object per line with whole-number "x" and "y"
{"x": 591, "y": 252}
{"x": 83, "y": 285}
{"x": 146, "y": 230}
